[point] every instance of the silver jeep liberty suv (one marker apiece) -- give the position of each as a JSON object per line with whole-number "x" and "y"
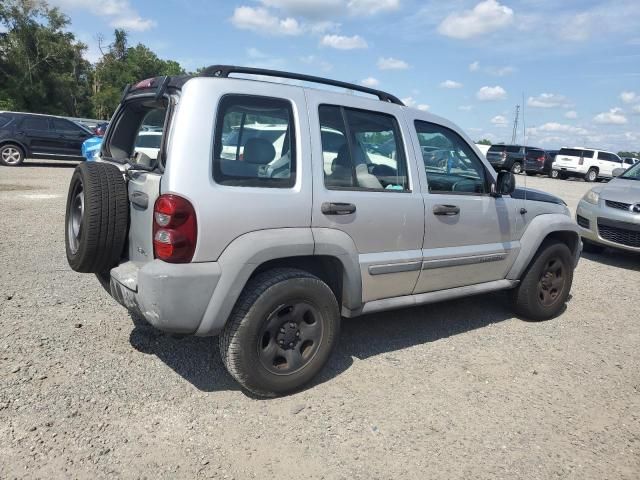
{"x": 270, "y": 210}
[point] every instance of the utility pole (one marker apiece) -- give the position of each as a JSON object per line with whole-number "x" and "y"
{"x": 515, "y": 125}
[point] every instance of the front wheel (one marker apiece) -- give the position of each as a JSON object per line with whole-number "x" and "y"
{"x": 592, "y": 175}
{"x": 545, "y": 285}
{"x": 281, "y": 331}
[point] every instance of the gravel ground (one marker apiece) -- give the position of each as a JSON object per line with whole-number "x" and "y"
{"x": 453, "y": 390}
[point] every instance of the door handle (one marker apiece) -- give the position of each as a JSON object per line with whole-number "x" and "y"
{"x": 337, "y": 208}
{"x": 446, "y": 210}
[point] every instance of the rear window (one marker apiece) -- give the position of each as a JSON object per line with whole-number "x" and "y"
{"x": 535, "y": 152}
{"x": 4, "y": 119}
{"x": 513, "y": 148}
{"x": 496, "y": 148}
{"x": 576, "y": 152}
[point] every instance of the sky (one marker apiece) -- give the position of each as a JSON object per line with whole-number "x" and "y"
{"x": 573, "y": 66}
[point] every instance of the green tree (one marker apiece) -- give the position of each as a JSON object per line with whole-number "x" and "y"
{"x": 122, "y": 65}
{"x": 41, "y": 64}
{"x": 484, "y": 141}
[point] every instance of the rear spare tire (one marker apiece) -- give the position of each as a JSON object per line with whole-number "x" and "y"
{"x": 97, "y": 217}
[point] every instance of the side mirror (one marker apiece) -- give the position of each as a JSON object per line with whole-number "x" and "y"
{"x": 505, "y": 185}
{"x": 618, "y": 171}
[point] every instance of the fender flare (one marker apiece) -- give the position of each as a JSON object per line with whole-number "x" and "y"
{"x": 538, "y": 229}
{"x": 241, "y": 258}
{"x": 27, "y": 152}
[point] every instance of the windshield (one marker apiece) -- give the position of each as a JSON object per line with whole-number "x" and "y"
{"x": 632, "y": 173}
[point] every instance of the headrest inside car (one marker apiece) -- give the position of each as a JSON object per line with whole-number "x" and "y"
{"x": 259, "y": 151}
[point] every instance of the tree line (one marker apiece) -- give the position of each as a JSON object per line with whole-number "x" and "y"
{"x": 43, "y": 70}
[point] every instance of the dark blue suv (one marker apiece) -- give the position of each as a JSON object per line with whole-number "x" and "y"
{"x": 31, "y": 135}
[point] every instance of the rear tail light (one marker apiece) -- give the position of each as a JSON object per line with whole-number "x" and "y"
{"x": 504, "y": 155}
{"x": 175, "y": 229}
{"x": 541, "y": 159}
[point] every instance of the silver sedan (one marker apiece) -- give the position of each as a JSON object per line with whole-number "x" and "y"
{"x": 609, "y": 214}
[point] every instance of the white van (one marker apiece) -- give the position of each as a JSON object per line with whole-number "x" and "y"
{"x": 587, "y": 163}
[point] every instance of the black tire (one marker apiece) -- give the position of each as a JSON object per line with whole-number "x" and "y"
{"x": 97, "y": 217}
{"x": 11, "y": 155}
{"x": 252, "y": 344}
{"x": 591, "y": 176}
{"x": 590, "y": 247}
{"x": 516, "y": 168}
{"x": 534, "y": 298}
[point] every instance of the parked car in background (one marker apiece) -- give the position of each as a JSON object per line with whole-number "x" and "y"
{"x": 483, "y": 148}
{"x": 31, "y": 135}
{"x": 537, "y": 161}
{"x": 609, "y": 215}
{"x": 508, "y": 157}
{"x": 586, "y": 163}
{"x": 628, "y": 161}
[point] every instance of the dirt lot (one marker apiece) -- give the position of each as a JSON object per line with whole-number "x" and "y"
{"x": 453, "y": 390}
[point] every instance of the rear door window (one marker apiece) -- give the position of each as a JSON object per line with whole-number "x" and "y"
{"x": 254, "y": 142}
{"x": 361, "y": 150}
{"x": 35, "y": 123}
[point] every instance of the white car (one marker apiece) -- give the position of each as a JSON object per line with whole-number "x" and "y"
{"x": 148, "y": 142}
{"x": 586, "y": 163}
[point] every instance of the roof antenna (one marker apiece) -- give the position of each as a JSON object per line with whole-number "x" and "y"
{"x": 523, "y": 210}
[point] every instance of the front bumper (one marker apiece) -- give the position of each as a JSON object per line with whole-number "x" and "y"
{"x": 172, "y": 297}
{"x": 587, "y": 215}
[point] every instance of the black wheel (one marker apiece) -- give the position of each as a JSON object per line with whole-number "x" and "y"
{"x": 591, "y": 247}
{"x": 554, "y": 174}
{"x": 96, "y": 218}
{"x": 516, "y": 168}
{"x": 591, "y": 176}
{"x": 546, "y": 283}
{"x": 11, "y": 155}
{"x": 281, "y": 331}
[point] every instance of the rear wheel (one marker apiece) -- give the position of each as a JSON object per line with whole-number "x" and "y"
{"x": 281, "y": 332}
{"x": 545, "y": 285}
{"x": 516, "y": 168}
{"x": 592, "y": 175}
{"x": 11, "y": 155}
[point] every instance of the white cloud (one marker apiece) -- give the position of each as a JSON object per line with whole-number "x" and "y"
{"x": 370, "y": 82}
{"x": 474, "y": 66}
{"x": 560, "y": 128}
{"x": 332, "y": 8}
{"x": 615, "y": 116}
{"x": 629, "y": 97}
{"x": 581, "y": 27}
{"x": 318, "y": 62}
{"x": 450, "y": 84}
{"x": 343, "y": 43}
{"x": 499, "y": 120}
{"x": 119, "y": 12}
{"x": 485, "y": 17}
{"x": 423, "y": 106}
{"x": 392, "y": 64}
{"x": 636, "y": 109}
{"x": 465, "y": 108}
{"x": 500, "y": 71}
{"x": 571, "y": 114}
{"x": 411, "y": 103}
{"x": 547, "y": 100}
{"x": 261, "y": 21}
{"x": 491, "y": 93}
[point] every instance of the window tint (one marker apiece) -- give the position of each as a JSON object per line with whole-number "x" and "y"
{"x": 66, "y": 126}
{"x": 35, "y": 123}
{"x": 363, "y": 153}
{"x": 576, "y": 152}
{"x": 513, "y": 149}
{"x": 254, "y": 142}
{"x": 148, "y": 141}
{"x": 4, "y": 119}
{"x": 609, "y": 157}
{"x": 450, "y": 163}
{"x": 629, "y": 161}
{"x": 535, "y": 152}
{"x": 496, "y": 148}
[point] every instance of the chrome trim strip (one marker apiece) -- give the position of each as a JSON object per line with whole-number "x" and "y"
{"x": 55, "y": 154}
{"x": 394, "y": 268}
{"x": 458, "y": 261}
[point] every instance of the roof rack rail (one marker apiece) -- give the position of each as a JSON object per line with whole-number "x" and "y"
{"x": 223, "y": 71}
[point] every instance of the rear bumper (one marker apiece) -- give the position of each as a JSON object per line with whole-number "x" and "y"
{"x": 172, "y": 297}
{"x": 570, "y": 170}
